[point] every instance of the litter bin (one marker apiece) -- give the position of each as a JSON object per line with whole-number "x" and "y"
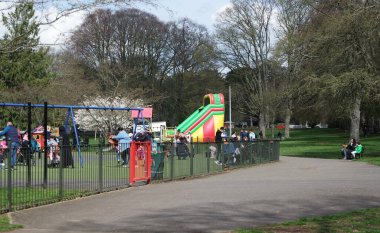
{"x": 157, "y": 170}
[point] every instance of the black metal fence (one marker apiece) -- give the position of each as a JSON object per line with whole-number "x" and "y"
{"x": 40, "y": 178}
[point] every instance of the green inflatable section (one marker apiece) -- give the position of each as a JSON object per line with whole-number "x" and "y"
{"x": 195, "y": 116}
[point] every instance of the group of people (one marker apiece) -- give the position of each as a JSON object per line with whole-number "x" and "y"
{"x": 225, "y": 144}
{"x": 351, "y": 149}
{"x": 182, "y": 149}
{"x": 19, "y": 147}
{"x": 122, "y": 142}
{"x": 244, "y": 136}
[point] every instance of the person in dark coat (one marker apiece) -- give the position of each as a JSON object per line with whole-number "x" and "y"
{"x": 12, "y": 137}
{"x": 350, "y": 148}
{"x": 218, "y": 135}
{"x": 66, "y": 156}
{"x": 219, "y": 143}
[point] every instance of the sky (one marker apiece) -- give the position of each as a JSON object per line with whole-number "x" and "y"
{"x": 199, "y": 11}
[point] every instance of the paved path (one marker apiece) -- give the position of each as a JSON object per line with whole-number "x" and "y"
{"x": 276, "y": 192}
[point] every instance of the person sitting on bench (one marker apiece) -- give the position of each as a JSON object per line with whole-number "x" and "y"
{"x": 358, "y": 150}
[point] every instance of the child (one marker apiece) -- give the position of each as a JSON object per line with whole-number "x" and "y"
{"x": 358, "y": 150}
{"x": 3, "y": 148}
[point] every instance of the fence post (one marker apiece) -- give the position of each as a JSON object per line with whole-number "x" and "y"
{"x": 191, "y": 158}
{"x": 278, "y": 150}
{"x": 60, "y": 188}
{"x": 222, "y": 155}
{"x": 251, "y": 153}
{"x": 208, "y": 162}
{"x": 172, "y": 162}
{"x": 45, "y": 146}
{"x": 259, "y": 150}
{"x": 29, "y": 149}
{"x": 9, "y": 185}
{"x": 101, "y": 145}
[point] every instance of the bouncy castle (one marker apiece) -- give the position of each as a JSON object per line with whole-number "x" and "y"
{"x": 204, "y": 122}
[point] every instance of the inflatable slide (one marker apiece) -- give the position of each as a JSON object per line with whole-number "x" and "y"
{"x": 204, "y": 122}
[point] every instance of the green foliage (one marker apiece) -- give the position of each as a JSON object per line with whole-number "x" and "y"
{"x": 171, "y": 66}
{"x": 21, "y": 60}
{"x": 186, "y": 93}
{"x": 326, "y": 143}
{"x": 22, "y": 28}
{"x": 5, "y": 224}
{"x": 341, "y": 45}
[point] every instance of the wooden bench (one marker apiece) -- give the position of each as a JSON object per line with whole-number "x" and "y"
{"x": 360, "y": 155}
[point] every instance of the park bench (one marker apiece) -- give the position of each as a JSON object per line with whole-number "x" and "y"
{"x": 360, "y": 155}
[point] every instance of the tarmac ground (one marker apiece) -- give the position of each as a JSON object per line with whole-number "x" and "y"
{"x": 286, "y": 190}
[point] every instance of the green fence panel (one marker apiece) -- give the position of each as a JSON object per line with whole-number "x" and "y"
{"x": 26, "y": 186}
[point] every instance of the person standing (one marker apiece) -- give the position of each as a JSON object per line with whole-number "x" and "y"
{"x": 218, "y": 135}
{"x": 123, "y": 145}
{"x": 12, "y": 137}
{"x": 218, "y": 142}
{"x": 234, "y": 136}
{"x": 279, "y": 135}
{"x": 252, "y": 136}
{"x": 66, "y": 156}
{"x": 241, "y": 135}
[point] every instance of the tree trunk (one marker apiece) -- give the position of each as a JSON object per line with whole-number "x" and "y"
{"x": 288, "y": 114}
{"x": 355, "y": 119}
{"x": 262, "y": 124}
{"x": 372, "y": 125}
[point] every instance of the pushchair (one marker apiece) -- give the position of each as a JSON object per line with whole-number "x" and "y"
{"x": 27, "y": 150}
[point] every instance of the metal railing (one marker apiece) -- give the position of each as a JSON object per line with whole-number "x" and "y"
{"x": 34, "y": 181}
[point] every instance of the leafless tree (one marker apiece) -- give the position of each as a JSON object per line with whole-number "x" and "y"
{"x": 52, "y": 11}
{"x": 243, "y": 33}
{"x": 292, "y": 16}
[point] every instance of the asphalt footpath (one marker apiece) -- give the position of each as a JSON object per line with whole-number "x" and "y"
{"x": 247, "y": 197}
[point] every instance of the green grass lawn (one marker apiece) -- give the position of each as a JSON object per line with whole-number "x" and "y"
{"x": 367, "y": 220}
{"x": 6, "y": 226}
{"x": 326, "y": 143}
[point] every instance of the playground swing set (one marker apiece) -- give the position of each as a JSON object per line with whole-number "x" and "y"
{"x": 200, "y": 126}
{"x": 140, "y": 151}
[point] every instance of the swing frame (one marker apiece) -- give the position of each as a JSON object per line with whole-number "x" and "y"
{"x": 70, "y": 114}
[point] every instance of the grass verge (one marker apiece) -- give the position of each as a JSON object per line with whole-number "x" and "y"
{"x": 5, "y": 224}
{"x": 326, "y": 143}
{"x": 367, "y": 220}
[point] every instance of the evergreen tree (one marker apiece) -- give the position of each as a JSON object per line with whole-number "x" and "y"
{"x": 22, "y": 60}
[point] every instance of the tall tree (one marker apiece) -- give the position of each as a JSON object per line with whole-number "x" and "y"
{"x": 24, "y": 62}
{"x": 52, "y": 11}
{"x": 124, "y": 48}
{"x": 292, "y": 16}
{"x": 243, "y": 32}
{"x": 193, "y": 56}
{"x": 132, "y": 51}
{"x": 343, "y": 51}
